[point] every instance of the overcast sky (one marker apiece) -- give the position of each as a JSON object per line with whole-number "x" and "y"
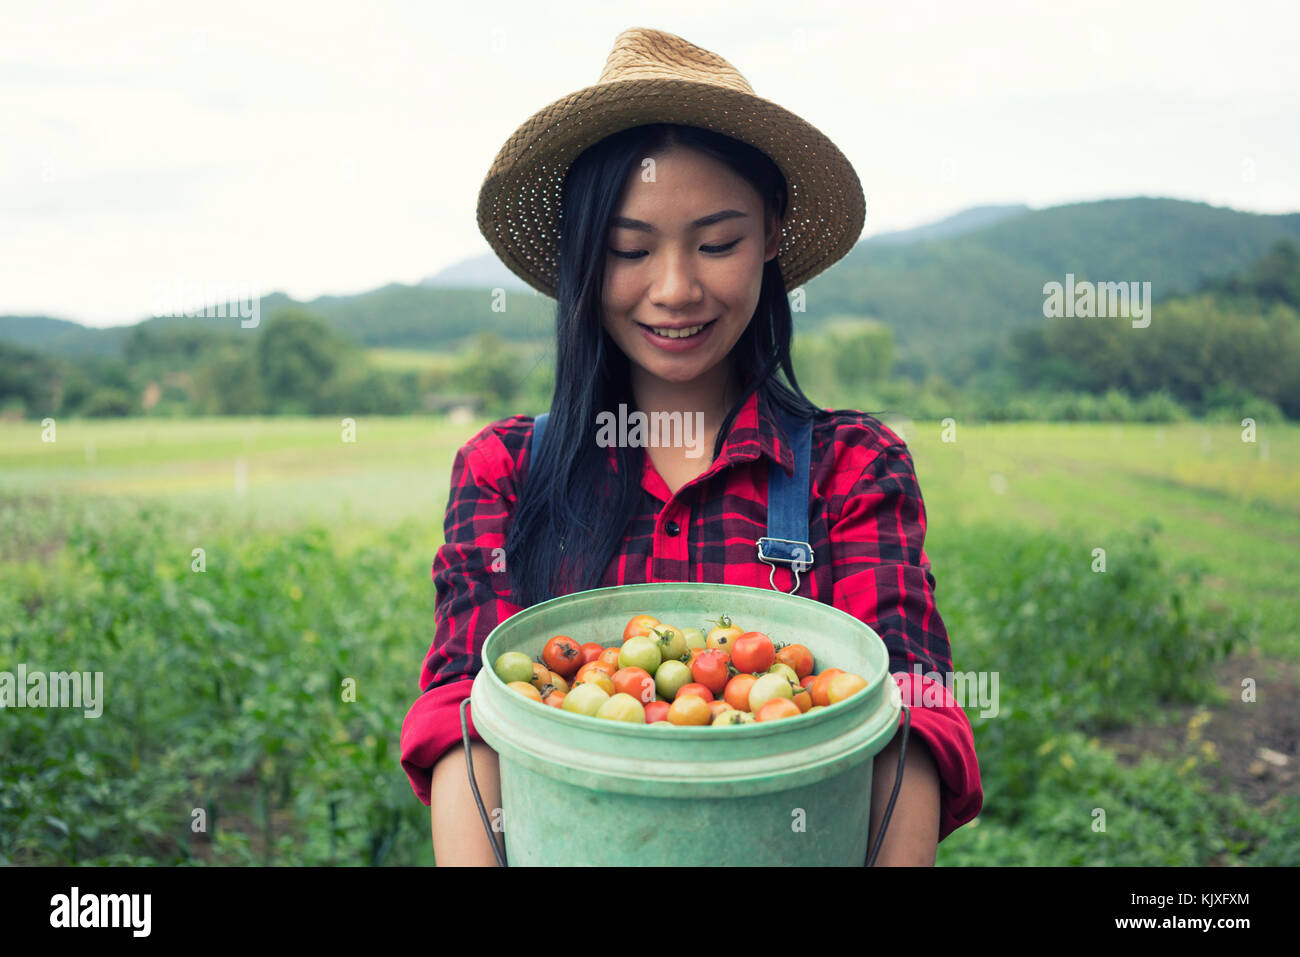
{"x": 329, "y": 149}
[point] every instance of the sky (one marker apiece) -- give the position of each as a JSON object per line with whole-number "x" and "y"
{"x": 328, "y": 149}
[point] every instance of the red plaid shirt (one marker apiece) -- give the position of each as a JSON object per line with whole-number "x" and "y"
{"x": 866, "y": 527}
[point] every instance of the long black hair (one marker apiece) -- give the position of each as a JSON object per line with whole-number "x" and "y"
{"x": 573, "y": 511}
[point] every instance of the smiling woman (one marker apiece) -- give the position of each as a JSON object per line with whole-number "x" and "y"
{"x": 670, "y": 211}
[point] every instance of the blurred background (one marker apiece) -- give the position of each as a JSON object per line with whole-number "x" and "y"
{"x": 231, "y": 514}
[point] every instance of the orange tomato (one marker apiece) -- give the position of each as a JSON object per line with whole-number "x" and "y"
{"x": 720, "y": 637}
{"x": 822, "y": 685}
{"x": 797, "y": 657}
{"x": 636, "y": 682}
{"x": 695, "y": 689}
{"x": 541, "y": 676}
{"x": 610, "y": 657}
{"x": 719, "y": 706}
{"x": 639, "y": 625}
{"x": 689, "y": 710}
{"x": 527, "y": 690}
{"x": 776, "y": 709}
{"x": 555, "y": 699}
{"x": 803, "y": 699}
{"x": 843, "y": 686}
{"x": 737, "y": 691}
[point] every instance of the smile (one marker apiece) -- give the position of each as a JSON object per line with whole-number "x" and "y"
{"x": 684, "y": 333}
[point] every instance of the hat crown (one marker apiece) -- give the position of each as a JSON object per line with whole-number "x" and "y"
{"x": 643, "y": 54}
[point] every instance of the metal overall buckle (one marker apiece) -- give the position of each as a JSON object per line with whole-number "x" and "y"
{"x": 798, "y": 555}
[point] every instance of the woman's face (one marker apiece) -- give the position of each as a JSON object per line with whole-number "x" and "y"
{"x": 672, "y": 264}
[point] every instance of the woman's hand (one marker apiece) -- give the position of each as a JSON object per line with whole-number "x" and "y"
{"x": 913, "y": 836}
{"x": 458, "y": 836}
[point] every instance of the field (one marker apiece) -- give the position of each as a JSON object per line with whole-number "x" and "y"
{"x": 227, "y": 669}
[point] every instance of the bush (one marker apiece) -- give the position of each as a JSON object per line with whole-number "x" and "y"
{"x": 108, "y": 403}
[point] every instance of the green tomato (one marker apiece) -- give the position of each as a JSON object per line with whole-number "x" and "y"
{"x": 672, "y": 642}
{"x": 640, "y": 653}
{"x": 783, "y": 669}
{"x": 732, "y": 717}
{"x": 764, "y": 690}
{"x": 621, "y": 707}
{"x": 514, "y": 666}
{"x": 670, "y": 677}
{"x": 694, "y": 638}
{"x": 585, "y": 699}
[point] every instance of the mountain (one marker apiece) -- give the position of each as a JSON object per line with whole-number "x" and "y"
{"x": 479, "y": 272}
{"x": 952, "y": 293}
{"x": 977, "y": 217}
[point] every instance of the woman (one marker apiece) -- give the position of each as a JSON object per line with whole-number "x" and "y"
{"x": 689, "y": 208}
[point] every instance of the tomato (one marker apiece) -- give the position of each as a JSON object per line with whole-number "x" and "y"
{"x": 753, "y": 651}
{"x": 717, "y": 707}
{"x": 710, "y": 670}
{"x": 670, "y": 677}
{"x": 656, "y": 711}
{"x": 843, "y": 686}
{"x": 635, "y": 682}
{"x": 696, "y": 690}
{"x": 622, "y": 707}
{"x": 527, "y": 690}
{"x": 731, "y": 716}
{"x": 797, "y": 657}
{"x": 558, "y": 683}
{"x": 639, "y": 625}
{"x": 766, "y": 688}
{"x": 737, "y": 691}
{"x": 776, "y": 709}
{"x": 541, "y": 676}
{"x": 689, "y": 710}
{"x": 807, "y": 681}
{"x": 555, "y": 699}
{"x": 672, "y": 642}
{"x": 780, "y": 668}
{"x": 585, "y": 699}
{"x": 563, "y": 656}
{"x": 694, "y": 638}
{"x": 821, "y": 685}
{"x": 590, "y": 652}
{"x": 610, "y": 656}
{"x": 640, "y": 653}
{"x": 514, "y": 666}
{"x": 803, "y": 698}
{"x": 591, "y": 666}
{"x": 594, "y": 673}
{"x": 721, "y": 636}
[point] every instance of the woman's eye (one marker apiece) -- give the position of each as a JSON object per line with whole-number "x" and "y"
{"x": 638, "y": 253}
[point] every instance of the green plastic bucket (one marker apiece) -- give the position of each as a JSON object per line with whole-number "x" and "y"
{"x": 579, "y": 790}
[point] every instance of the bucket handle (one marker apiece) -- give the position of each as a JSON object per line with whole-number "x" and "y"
{"x": 898, "y": 782}
{"x": 500, "y": 854}
{"x": 497, "y": 850}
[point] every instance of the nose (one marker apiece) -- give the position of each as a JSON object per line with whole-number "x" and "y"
{"x": 675, "y": 287}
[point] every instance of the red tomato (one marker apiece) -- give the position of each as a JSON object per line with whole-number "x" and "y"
{"x": 590, "y": 652}
{"x": 639, "y": 625}
{"x": 656, "y": 711}
{"x": 737, "y": 691}
{"x": 797, "y": 657}
{"x": 563, "y": 656}
{"x": 636, "y": 682}
{"x": 555, "y": 699}
{"x": 710, "y": 670}
{"x": 753, "y": 651}
{"x": 698, "y": 690}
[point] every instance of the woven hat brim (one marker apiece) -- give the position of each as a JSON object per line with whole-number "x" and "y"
{"x": 519, "y": 202}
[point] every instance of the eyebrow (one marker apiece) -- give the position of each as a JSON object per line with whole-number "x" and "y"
{"x": 623, "y": 222}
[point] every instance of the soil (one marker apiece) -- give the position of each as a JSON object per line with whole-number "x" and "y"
{"x": 1256, "y": 744}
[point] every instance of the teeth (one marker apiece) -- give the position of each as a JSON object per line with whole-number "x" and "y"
{"x": 678, "y": 333}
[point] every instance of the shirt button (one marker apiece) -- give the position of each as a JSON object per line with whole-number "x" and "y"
{"x": 671, "y": 527}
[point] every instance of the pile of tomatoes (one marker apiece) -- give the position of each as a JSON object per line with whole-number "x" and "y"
{"x": 680, "y": 676}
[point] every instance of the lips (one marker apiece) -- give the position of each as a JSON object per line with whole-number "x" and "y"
{"x": 677, "y": 332}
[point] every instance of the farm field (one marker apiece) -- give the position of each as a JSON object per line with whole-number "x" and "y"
{"x": 223, "y": 686}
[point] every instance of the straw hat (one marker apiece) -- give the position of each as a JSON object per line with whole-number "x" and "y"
{"x": 656, "y": 77}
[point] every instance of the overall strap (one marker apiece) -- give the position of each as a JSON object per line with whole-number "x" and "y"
{"x": 787, "y": 505}
{"x": 535, "y": 446}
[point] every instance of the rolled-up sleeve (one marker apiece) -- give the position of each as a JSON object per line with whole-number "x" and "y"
{"x": 883, "y": 578}
{"x": 472, "y": 587}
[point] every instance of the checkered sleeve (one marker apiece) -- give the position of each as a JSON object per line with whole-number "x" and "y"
{"x": 472, "y": 588}
{"x": 883, "y": 578}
